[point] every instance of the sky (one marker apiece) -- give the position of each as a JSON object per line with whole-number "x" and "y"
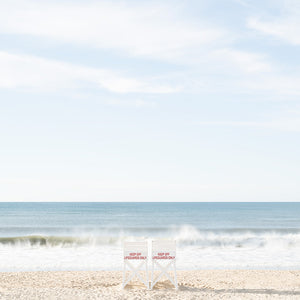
{"x": 131, "y": 100}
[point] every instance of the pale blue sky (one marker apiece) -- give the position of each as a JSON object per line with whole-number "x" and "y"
{"x": 149, "y": 100}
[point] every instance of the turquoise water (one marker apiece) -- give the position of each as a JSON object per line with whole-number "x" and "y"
{"x": 76, "y": 236}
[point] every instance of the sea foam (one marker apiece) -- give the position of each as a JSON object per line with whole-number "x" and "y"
{"x": 196, "y": 249}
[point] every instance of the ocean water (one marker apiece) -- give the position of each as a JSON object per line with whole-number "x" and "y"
{"x": 89, "y": 236}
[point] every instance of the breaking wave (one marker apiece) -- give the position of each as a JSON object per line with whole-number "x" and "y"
{"x": 240, "y": 238}
{"x": 55, "y": 241}
{"x": 196, "y": 249}
{"x": 186, "y": 236}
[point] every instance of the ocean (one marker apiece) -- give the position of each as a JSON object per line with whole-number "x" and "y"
{"x": 89, "y": 236}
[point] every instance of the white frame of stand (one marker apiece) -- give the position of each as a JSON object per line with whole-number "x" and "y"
{"x": 137, "y": 251}
{"x": 163, "y": 250}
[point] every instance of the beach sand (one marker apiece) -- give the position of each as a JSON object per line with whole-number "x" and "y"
{"x": 208, "y": 284}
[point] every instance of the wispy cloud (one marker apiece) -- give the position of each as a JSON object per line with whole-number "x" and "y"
{"x": 148, "y": 30}
{"x": 30, "y": 72}
{"x": 287, "y": 30}
{"x": 246, "y": 61}
{"x": 285, "y": 26}
{"x": 243, "y": 3}
{"x": 143, "y": 29}
{"x": 139, "y": 103}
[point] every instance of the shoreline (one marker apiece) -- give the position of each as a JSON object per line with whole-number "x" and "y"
{"x": 201, "y": 284}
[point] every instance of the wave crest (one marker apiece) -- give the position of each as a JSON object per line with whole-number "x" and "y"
{"x": 186, "y": 236}
{"x": 54, "y": 241}
{"x": 190, "y": 236}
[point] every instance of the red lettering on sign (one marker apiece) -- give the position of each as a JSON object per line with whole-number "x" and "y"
{"x": 135, "y": 257}
{"x": 163, "y": 257}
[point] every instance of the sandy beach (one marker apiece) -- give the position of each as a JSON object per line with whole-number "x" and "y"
{"x": 208, "y": 284}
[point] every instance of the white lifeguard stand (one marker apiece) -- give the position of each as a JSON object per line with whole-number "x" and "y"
{"x": 135, "y": 259}
{"x": 164, "y": 258}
